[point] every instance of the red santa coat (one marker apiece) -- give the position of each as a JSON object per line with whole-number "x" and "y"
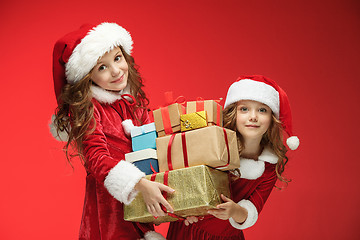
{"x": 110, "y": 180}
{"x": 250, "y": 191}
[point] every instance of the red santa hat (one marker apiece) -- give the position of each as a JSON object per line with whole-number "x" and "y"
{"x": 77, "y": 53}
{"x": 264, "y": 90}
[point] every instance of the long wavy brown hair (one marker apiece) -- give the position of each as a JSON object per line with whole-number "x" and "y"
{"x": 74, "y": 114}
{"x": 273, "y": 138}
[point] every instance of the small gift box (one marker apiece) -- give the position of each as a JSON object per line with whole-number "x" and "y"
{"x": 213, "y": 146}
{"x": 167, "y": 119}
{"x": 145, "y": 160}
{"x": 193, "y": 121}
{"x": 197, "y": 189}
{"x": 212, "y": 108}
{"x": 143, "y": 137}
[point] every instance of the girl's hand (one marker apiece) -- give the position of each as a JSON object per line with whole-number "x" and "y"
{"x": 229, "y": 209}
{"x": 192, "y": 219}
{"x": 151, "y": 192}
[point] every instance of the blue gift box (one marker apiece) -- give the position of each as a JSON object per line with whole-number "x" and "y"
{"x": 145, "y": 160}
{"x": 143, "y": 137}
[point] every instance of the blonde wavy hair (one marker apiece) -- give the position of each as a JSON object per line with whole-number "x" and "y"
{"x": 74, "y": 114}
{"x": 272, "y": 139}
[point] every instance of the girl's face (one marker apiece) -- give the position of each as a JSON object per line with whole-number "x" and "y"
{"x": 111, "y": 71}
{"x": 252, "y": 119}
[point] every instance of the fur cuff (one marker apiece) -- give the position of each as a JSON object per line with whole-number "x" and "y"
{"x": 152, "y": 235}
{"x": 252, "y": 215}
{"x": 121, "y": 180}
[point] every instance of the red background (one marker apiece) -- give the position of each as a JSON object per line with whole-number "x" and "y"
{"x": 193, "y": 48}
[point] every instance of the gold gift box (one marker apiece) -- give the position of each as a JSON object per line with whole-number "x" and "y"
{"x": 197, "y": 189}
{"x": 193, "y": 121}
{"x": 212, "y": 109}
{"x": 203, "y": 146}
{"x": 175, "y": 110}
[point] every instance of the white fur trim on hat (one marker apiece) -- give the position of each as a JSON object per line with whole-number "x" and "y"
{"x": 293, "y": 142}
{"x": 61, "y": 136}
{"x": 251, "y": 218}
{"x": 100, "y": 40}
{"x": 121, "y": 180}
{"x": 152, "y": 235}
{"x": 247, "y": 89}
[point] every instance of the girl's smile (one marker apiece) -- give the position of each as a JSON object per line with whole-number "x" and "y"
{"x": 119, "y": 79}
{"x": 252, "y": 126}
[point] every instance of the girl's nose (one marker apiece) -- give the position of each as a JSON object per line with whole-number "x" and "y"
{"x": 253, "y": 116}
{"x": 115, "y": 70}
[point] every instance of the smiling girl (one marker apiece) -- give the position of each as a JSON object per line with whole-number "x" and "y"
{"x": 100, "y": 97}
{"x": 259, "y": 111}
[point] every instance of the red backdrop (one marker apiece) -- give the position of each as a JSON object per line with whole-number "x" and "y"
{"x": 193, "y": 48}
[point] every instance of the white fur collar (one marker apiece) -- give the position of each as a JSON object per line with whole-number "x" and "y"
{"x": 104, "y": 96}
{"x": 251, "y": 169}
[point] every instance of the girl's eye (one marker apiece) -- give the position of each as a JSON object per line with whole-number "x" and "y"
{"x": 243, "y": 109}
{"x": 263, "y": 110}
{"x": 117, "y": 58}
{"x": 102, "y": 67}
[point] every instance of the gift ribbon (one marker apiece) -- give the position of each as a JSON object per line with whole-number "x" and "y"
{"x": 200, "y": 104}
{"x": 184, "y": 148}
{"x": 152, "y": 168}
{"x": 166, "y": 120}
{"x": 183, "y": 141}
{"x": 200, "y": 107}
{"x": 166, "y": 182}
{"x": 228, "y": 150}
{"x": 169, "y": 152}
{"x": 165, "y": 111}
{"x": 169, "y": 99}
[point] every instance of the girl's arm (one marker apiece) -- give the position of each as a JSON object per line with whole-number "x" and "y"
{"x": 244, "y": 214}
{"x": 118, "y": 176}
{"x": 121, "y": 179}
{"x": 229, "y": 209}
{"x": 256, "y": 201}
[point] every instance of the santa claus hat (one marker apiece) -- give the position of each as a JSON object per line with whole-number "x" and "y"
{"x": 264, "y": 90}
{"x": 77, "y": 53}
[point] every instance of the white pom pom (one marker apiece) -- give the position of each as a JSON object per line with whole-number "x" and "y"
{"x": 152, "y": 235}
{"x": 293, "y": 142}
{"x": 127, "y": 125}
{"x": 61, "y": 136}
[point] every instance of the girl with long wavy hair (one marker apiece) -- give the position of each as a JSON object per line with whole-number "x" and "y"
{"x": 259, "y": 111}
{"x": 100, "y": 98}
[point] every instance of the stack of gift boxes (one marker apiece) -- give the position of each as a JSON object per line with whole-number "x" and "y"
{"x": 144, "y": 148}
{"x": 193, "y": 154}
